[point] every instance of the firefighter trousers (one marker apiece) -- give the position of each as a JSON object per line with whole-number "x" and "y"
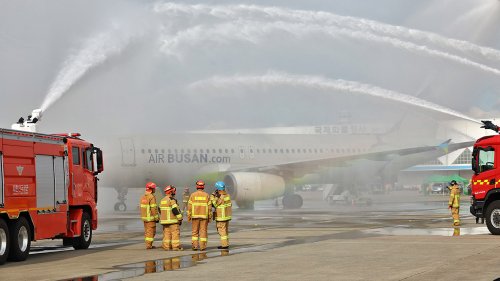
{"x": 149, "y": 233}
{"x": 456, "y": 216}
{"x": 223, "y": 230}
{"x": 199, "y": 235}
{"x": 171, "y": 236}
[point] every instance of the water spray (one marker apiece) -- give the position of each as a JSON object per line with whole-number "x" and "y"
{"x": 238, "y": 12}
{"x": 96, "y": 50}
{"x": 254, "y": 31}
{"x": 321, "y": 83}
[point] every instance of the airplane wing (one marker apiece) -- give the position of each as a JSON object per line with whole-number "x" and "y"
{"x": 308, "y": 166}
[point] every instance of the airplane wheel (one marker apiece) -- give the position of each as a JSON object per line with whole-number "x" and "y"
{"x": 20, "y": 239}
{"x": 120, "y": 207}
{"x": 4, "y": 241}
{"x": 293, "y": 201}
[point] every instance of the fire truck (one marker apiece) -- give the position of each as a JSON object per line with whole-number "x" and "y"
{"x": 48, "y": 189}
{"x": 485, "y": 183}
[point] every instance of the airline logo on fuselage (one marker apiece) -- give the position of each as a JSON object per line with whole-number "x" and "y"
{"x": 187, "y": 158}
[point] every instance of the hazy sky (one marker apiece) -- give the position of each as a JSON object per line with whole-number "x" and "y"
{"x": 134, "y": 61}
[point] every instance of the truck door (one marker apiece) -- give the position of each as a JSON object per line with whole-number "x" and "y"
{"x": 77, "y": 171}
{"x": 484, "y": 165}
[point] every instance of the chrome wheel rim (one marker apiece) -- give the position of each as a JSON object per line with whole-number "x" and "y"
{"x": 495, "y": 218}
{"x": 3, "y": 242}
{"x": 86, "y": 231}
{"x": 22, "y": 238}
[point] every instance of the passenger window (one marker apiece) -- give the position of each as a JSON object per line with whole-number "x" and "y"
{"x": 76, "y": 155}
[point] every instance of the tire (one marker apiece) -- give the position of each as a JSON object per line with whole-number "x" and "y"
{"x": 20, "y": 240}
{"x": 292, "y": 201}
{"x": 4, "y": 241}
{"x": 84, "y": 240}
{"x": 493, "y": 217}
{"x": 120, "y": 207}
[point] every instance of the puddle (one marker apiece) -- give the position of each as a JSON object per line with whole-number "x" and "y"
{"x": 406, "y": 230}
{"x": 186, "y": 261}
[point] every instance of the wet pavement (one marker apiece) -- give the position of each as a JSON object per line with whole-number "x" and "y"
{"x": 409, "y": 239}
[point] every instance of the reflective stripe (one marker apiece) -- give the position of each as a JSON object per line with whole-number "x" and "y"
{"x": 223, "y": 238}
{"x": 227, "y": 198}
{"x": 194, "y": 238}
{"x": 149, "y": 239}
{"x": 203, "y": 239}
{"x": 153, "y": 205}
{"x": 175, "y": 241}
{"x": 200, "y": 198}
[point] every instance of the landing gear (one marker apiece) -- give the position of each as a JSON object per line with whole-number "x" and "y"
{"x": 120, "y": 206}
{"x": 247, "y": 205}
{"x": 292, "y": 201}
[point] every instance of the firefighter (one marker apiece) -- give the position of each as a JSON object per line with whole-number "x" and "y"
{"x": 222, "y": 203}
{"x": 171, "y": 219}
{"x": 185, "y": 199}
{"x": 454, "y": 202}
{"x": 198, "y": 213}
{"x": 149, "y": 214}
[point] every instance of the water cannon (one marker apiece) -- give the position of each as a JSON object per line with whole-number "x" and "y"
{"x": 489, "y": 125}
{"x": 29, "y": 124}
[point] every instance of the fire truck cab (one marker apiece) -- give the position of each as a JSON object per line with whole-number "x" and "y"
{"x": 485, "y": 183}
{"x": 48, "y": 190}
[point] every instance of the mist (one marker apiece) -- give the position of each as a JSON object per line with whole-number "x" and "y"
{"x": 158, "y": 67}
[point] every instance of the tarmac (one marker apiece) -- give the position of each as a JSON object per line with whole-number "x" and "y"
{"x": 401, "y": 236}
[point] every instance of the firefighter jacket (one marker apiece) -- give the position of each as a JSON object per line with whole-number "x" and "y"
{"x": 454, "y": 201}
{"x": 222, "y": 204}
{"x": 149, "y": 209}
{"x": 169, "y": 211}
{"x": 185, "y": 197}
{"x": 198, "y": 205}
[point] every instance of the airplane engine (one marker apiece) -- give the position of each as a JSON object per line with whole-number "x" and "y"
{"x": 245, "y": 187}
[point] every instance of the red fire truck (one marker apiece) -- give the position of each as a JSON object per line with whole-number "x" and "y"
{"x": 485, "y": 183}
{"x": 48, "y": 190}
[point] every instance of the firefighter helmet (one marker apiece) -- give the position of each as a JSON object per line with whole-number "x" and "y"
{"x": 200, "y": 184}
{"x": 170, "y": 189}
{"x": 220, "y": 185}
{"x": 453, "y": 182}
{"x": 150, "y": 186}
{"x": 186, "y": 189}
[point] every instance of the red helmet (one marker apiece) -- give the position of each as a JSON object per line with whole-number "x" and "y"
{"x": 150, "y": 186}
{"x": 200, "y": 184}
{"x": 170, "y": 189}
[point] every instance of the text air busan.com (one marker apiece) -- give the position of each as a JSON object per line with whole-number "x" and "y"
{"x": 160, "y": 158}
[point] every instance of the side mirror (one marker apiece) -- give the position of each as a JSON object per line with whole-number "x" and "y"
{"x": 98, "y": 160}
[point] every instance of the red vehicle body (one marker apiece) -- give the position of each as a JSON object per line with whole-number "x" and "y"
{"x": 48, "y": 190}
{"x": 485, "y": 183}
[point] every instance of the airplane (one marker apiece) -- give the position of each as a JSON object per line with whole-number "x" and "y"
{"x": 259, "y": 166}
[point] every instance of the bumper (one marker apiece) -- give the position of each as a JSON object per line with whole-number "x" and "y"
{"x": 476, "y": 209}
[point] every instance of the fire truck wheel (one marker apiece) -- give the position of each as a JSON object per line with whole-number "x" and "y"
{"x": 20, "y": 240}
{"x": 493, "y": 217}
{"x": 120, "y": 206}
{"x": 4, "y": 241}
{"x": 83, "y": 242}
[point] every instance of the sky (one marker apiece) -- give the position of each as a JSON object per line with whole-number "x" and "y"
{"x": 126, "y": 67}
